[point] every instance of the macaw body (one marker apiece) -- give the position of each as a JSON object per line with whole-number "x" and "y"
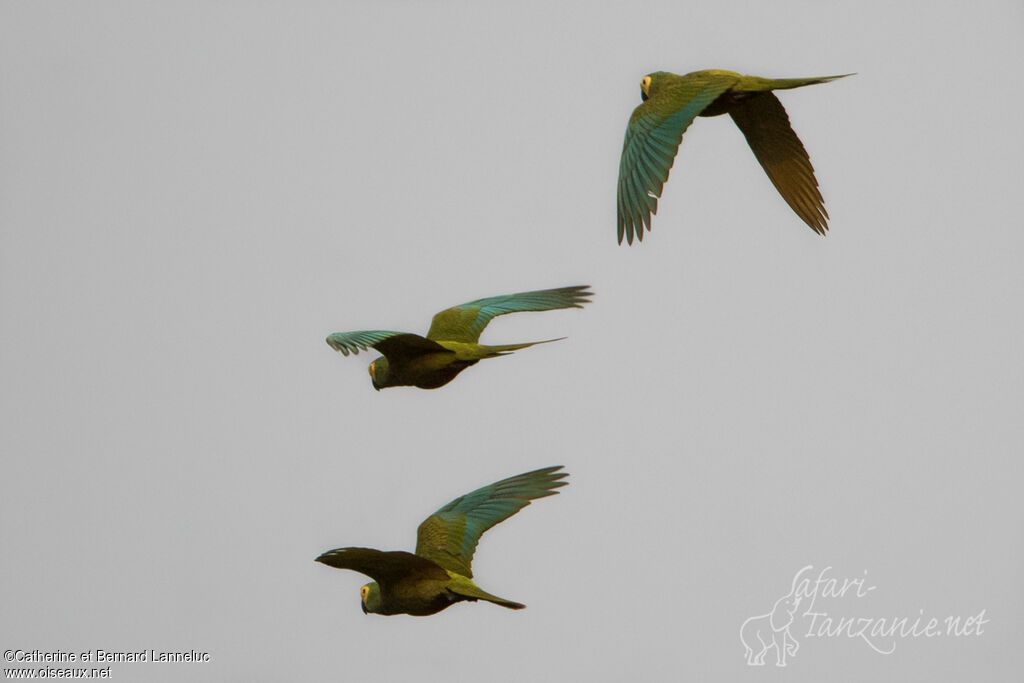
{"x": 452, "y": 343}
{"x": 429, "y": 369}
{"x": 421, "y": 597}
{"x": 671, "y": 102}
{"x": 439, "y": 573}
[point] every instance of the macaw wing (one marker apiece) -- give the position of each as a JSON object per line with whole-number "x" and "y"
{"x": 652, "y": 139}
{"x": 449, "y": 536}
{"x": 765, "y": 124}
{"x": 464, "y": 323}
{"x": 386, "y": 568}
{"x": 395, "y": 346}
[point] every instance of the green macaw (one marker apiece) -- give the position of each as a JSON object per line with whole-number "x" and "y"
{"x": 439, "y": 574}
{"x": 451, "y": 343}
{"x": 670, "y": 103}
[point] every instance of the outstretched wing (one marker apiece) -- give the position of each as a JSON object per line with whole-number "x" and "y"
{"x": 386, "y": 568}
{"x": 465, "y": 323}
{"x": 765, "y": 124}
{"x": 652, "y": 139}
{"x": 394, "y": 345}
{"x": 449, "y": 536}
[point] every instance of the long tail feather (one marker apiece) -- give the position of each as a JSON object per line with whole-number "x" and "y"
{"x": 505, "y": 349}
{"x": 758, "y": 84}
{"x": 471, "y": 591}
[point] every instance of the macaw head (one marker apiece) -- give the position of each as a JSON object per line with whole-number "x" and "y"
{"x": 379, "y": 373}
{"x": 370, "y": 594}
{"x": 650, "y": 84}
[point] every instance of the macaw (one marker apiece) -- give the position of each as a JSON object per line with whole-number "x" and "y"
{"x": 438, "y": 575}
{"x": 670, "y": 103}
{"x": 451, "y": 344}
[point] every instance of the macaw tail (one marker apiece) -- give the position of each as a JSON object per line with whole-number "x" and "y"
{"x": 505, "y": 603}
{"x": 757, "y": 84}
{"x": 470, "y": 591}
{"x": 505, "y": 349}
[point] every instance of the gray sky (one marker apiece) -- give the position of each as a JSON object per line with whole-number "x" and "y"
{"x": 193, "y": 195}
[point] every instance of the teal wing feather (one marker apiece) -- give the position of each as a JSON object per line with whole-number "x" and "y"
{"x": 394, "y": 345}
{"x": 386, "y": 568}
{"x": 464, "y": 323}
{"x": 652, "y": 139}
{"x": 449, "y": 536}
{"x": 354, "y": 342}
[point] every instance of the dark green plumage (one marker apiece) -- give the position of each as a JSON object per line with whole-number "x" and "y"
{"x": 451, "y": 344}
{"x": 671, "y": 102}
{"x": 439, "y": 573}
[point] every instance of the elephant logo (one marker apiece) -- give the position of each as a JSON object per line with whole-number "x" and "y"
{"x": 766, "y": 631}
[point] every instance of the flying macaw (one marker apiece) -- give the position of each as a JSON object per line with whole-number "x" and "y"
{"x": 451, "y": 343}
{"x": 670, "y": 103}
{"x": 439, "y": 574}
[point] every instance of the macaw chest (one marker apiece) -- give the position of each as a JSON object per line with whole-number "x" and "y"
{"x": 431, "y": 370}
{"x": 429, "y": 362}
{"x": 724, "y": 102}
{"x": 420, "y": 598}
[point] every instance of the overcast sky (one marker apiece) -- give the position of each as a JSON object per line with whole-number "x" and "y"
{"x": 194, "y": 194}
